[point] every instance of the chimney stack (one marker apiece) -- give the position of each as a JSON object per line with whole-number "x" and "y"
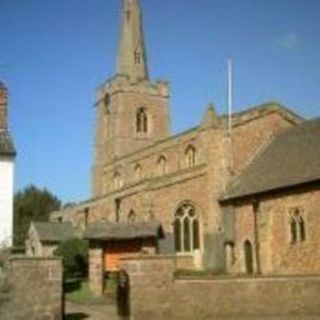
{"x": 3, "y": 106}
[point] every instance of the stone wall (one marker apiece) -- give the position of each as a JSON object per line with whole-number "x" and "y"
{"x": 158, "y": 195}
{"x": 96, "y": 268}
{"x": 156, "y": 294}
{"x": 255, "y": 129}
{"x": 118, "y": 103}
{"x": 276, "y": 251}
{"x": 34, "y": 290}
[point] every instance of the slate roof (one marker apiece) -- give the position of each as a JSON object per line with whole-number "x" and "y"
{"x": 292, "y": 158}
{"x": 54, "y": 231}
{"x": 6, "y": 144}
{"x": 123, "y": 231}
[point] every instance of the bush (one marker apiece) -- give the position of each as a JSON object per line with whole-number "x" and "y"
{"x": 74, "y": 253}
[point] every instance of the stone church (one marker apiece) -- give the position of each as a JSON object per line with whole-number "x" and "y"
{"x": 245, "y": 202}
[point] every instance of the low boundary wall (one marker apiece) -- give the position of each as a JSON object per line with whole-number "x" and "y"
{"x": 34, "y": 289}
{"x": 156, "y": 294}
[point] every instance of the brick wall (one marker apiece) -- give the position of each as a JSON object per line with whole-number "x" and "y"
{"x": 155, "y": 294}
{"x": 35, "y": 290}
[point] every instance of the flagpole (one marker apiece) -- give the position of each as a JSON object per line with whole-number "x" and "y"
{"x": 230, "y": 95}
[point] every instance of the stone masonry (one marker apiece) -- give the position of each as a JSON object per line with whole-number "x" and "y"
{"x": 35, "y": 289}
{"x": 277, "y": 254}
{"x": 141, "y": 170}
{"x": 156, "y": 294}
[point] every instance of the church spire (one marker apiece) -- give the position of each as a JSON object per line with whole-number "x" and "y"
{"x": 132, "y": 60}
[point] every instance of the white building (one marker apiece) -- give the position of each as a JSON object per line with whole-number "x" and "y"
{"x": 7, "y": 157}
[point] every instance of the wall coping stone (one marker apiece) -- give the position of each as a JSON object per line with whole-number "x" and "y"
{"x": 150, "y": 257}
{"x": 27, "y": 258}
{"x": 270, "y": 278}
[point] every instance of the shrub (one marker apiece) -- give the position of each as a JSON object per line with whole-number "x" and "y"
{"x": 74, "y": 253}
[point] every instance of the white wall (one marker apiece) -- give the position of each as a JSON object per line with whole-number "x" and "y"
{"x": 6, "y": 199}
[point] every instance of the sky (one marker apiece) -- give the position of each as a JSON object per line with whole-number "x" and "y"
{"x": 55, "y": 53}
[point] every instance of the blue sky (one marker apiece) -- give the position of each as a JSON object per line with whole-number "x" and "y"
{"x": 54, "y": 53}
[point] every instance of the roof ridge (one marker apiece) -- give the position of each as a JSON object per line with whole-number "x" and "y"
{"x": 291, "y": 158}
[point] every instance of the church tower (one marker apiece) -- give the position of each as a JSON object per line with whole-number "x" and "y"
{"x": 132, "y": 111}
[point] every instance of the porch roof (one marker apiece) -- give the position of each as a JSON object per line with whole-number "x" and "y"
{"x": 107, "y": 231}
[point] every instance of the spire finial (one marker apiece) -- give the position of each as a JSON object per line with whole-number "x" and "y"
{"x": 210, "y": 117}
{"x": 132, "y": 60}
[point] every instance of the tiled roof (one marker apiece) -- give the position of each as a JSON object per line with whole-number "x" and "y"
{"x": 292, "y": 158}
{"x": 54, "y": 231}
{"x": 6, "y": 144}
{"x": 123, "y": 231}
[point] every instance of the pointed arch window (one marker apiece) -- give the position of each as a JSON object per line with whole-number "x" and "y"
{"x": 248, "y": 254}
{"x": 190, "y": 156}
{"x": 138, "y": 172}
{"x": 141, "y": 121}
{"x": 162, "y": 165}
{"x": 131, "y": 216}
{"x": 297, "y": 226}
{"x": 186, "y": 229}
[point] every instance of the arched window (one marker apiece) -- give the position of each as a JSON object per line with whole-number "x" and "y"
{"x": 138, "y": 172}
{"x": 248, "y": 253}
{"x": 229, "y": 254}
{"x": 141, "y": 121}
{"x": 131, "y": 216}
{"x": 297, "y": 226}
{"x": 190, "y": 156}
{"x": 293, "y": 231}
{"x": 186, "y": 229}
{"x": 117, "y": 181}
{"x": 162, "y": 165}
{"x": 302, "y": 230}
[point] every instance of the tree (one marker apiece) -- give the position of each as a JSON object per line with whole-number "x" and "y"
{"x": 74, "y": 253}
{"x": 31, "y": 204}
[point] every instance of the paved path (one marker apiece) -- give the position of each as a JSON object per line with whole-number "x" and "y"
{"x": 92, "y": 311}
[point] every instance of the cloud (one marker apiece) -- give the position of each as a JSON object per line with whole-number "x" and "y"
{"x": 288, "y": 41}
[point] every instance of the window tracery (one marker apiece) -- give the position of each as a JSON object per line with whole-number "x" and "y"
{"x": 186, "y": 229}
{"x": 297, "y": 226}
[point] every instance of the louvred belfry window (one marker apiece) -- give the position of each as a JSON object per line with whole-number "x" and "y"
{"x": 141, "y": 121}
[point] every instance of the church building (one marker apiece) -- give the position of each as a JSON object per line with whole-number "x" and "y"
{"x": 219, "y": 201}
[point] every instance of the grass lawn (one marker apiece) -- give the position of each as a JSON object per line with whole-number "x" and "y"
{"x": 80, "y": 294}
{"x": 78, "y": 290}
